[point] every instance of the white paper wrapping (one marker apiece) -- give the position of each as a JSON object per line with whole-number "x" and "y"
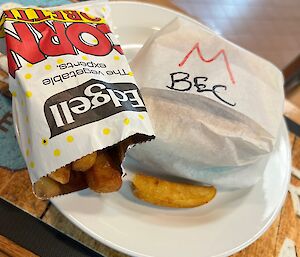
{"x": 73, "y": 90}
{"x": 215, "y": 107}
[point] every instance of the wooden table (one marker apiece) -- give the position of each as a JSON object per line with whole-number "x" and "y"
{"x": 16, "y": 188}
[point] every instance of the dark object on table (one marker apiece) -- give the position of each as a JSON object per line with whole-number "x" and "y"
{"x": 36, "y": 236}
{"x": 293, "y": 126}
{"x": 292, "y": 75}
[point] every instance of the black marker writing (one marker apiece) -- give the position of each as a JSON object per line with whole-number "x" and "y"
{"x": 180, "y": 82}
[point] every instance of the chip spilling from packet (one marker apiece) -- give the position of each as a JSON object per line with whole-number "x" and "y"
{"x": 76, "y": 105}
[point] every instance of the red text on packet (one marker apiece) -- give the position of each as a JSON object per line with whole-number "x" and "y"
{"x": 35, "y": 42}
{"x": 208, "y": 60}
{"x": 37, "y": 15}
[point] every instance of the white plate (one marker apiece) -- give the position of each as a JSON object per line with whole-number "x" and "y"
{"x": 233, "y": 220}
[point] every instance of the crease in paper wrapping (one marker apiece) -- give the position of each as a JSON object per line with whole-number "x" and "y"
{"x": 215, "y": 107}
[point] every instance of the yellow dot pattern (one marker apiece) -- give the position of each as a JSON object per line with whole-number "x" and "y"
{"x": 32, "y": 165}
{"x": 116, "y": 57}
{"x": 141, "y": 116}
{"x": 130, "y": 73}
{"x": 86, "y": 9}
{"x": 106, "y": 131}
{"x": 126, "y": 121}
{"x": 103, "y": 9}
{"x": 85, "y": 58}
{"x": 48, "y": 67}
{"x": 28, "y": 76}
{"x": 60, "y": 61}
{"x": 56, "y": 152}
{"x": 103, "y": 20}
{"x": 29, "y": 65}
{"x": 45, "y": 141}
{"x": 14, "y": 93}
{"x": 27, "y": 152}
{"x": 28, "y": 94}
{"x": 95, "y": 41}
{"x": 70, "y": 139}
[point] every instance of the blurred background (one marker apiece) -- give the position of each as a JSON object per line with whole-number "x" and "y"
{"x": 268, "y": 28}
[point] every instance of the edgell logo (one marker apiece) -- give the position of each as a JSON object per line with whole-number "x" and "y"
{"x": 91, "y": 101}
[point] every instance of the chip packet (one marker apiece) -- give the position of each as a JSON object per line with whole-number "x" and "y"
{"x": 73, "y": 94}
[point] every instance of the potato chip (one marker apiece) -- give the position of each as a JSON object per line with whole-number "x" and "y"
{"x": 171, "y": 194}
{"x": 104, "y": 177}
{"x": 84, "y": 163}
{"x": 61, "y": 175}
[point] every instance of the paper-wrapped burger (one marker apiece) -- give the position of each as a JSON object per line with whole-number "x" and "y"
{"x": 76, "y": 105}
{"x": 216, "y": 108}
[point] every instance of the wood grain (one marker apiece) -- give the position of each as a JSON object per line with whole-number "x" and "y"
{"x": 264, "y": 246}
{"x": 285, "y": 225}
{"x": 11, "y": 249}
{"x": 292, "y": 68}
{"x": 292, "y": 111}
{"x": 16, "y": 188}
{"x": 5, "y": 177}
{"x": 289, "y": 222}
{"x": 2, "y": 254}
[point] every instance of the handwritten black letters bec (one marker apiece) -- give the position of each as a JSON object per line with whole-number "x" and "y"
{"x": 180, "y": 81}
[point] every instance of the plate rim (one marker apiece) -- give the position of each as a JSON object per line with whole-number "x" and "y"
{"x": 227, "y": 253}
{"x": 277, "y": 209}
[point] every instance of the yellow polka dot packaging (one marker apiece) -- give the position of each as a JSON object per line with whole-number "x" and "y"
{"x": 76, "y": 105}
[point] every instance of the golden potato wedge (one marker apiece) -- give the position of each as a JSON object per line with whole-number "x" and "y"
{"x": 170, "y": 194}
{"x": 84, "y": 163}
{"x": 77, "y": 182}
{"x": 61, "y": 175}
{"x": 46, "y": 187}
{"x": 103, "y": 177}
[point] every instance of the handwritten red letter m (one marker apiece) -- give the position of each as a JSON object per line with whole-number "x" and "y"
{"x": 202, "y": 58}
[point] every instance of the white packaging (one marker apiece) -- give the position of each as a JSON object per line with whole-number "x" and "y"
{"x": 215, "y": 107}
{"x": 73, "y": 90}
